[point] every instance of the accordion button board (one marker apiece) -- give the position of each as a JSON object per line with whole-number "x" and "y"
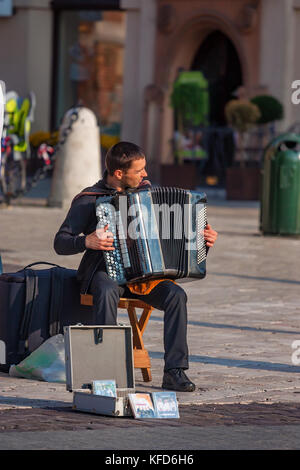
{"x": 116, "y": 259}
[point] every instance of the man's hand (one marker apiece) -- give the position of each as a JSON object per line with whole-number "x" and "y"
{"x": 101, "y": 239}
{"x": 210, "y": 235}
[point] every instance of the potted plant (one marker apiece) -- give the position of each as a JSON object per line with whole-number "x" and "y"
{"x": 271, "y": 110}
{"x": 242, "y": 182}
{"x": 242, "y": 116}
{"x": 190, "y": 101}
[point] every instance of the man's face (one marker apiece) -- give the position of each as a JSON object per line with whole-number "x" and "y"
{"x": 133, "y": 177}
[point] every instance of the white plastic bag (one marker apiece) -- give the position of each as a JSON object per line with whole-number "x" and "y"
{"x": 45, "y": 363}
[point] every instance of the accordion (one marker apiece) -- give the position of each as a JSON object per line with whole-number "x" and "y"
{"x": 158, "y": 233}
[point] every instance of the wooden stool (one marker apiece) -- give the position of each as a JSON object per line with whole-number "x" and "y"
{"x": 140, "y": 354}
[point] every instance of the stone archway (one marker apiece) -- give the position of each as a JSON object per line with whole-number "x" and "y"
{"x": 219, "y": 62}
{"x": 180, "y": 50}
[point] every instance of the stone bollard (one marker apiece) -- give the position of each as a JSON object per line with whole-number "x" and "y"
{"x": 78, "y": 159}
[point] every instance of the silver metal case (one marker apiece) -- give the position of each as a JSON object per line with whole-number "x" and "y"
{"x": 99, "y": 353}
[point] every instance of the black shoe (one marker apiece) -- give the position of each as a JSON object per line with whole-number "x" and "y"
{"x": 176, "y": 379}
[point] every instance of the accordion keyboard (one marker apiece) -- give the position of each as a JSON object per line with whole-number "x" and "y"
{"x": 113, "y": 259}
{"x": 201, "y": 219}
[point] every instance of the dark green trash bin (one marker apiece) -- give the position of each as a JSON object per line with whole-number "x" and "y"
{"x": 280, "y": 198}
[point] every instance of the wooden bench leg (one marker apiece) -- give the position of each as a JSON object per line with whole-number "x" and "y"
{"x": 141, "y": 356}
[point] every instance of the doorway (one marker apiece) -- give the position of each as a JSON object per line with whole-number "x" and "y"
{"x": 218, "y": 60}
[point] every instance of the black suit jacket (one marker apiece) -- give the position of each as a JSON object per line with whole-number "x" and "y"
{"x": 81, "y": 221}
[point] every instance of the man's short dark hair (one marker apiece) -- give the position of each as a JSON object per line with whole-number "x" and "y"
{"x": 120, "y": 156}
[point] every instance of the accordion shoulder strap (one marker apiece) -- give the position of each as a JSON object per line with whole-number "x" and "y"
{"x": 89, "y": 193}
{"x": 144, "y": 184}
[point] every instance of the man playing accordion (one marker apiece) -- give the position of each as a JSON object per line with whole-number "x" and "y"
{"x": 126, "y": 168}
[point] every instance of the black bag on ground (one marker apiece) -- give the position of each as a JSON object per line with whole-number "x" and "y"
{"x": 34, "y": 305}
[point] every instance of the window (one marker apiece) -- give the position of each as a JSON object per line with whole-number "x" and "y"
{"x": 89, "y": 71}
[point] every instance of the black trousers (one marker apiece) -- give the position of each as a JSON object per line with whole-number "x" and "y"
{"x": 166, "y": 296}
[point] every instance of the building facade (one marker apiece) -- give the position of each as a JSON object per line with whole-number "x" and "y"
{"x": 122, "y": 57}
{"x": 248, "y": 43}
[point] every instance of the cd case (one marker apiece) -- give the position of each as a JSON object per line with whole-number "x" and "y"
{"x": 141, "y": 405}
{"x": 105, "y": 388}
{"x": 165, "y": 404}
{"x": 154, "y": 405}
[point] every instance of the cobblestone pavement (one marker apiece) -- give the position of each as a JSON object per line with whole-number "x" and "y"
{"x": 255, "y": 426}
{"x": 65, "y": 418}
{"x": 243, "y": 324}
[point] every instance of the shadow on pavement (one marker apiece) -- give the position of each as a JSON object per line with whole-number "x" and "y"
{"x": 228, "y": 362}
{"x": 256, "y": 278}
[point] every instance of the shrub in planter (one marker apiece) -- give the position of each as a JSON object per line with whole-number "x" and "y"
{"x": 270, "y": 108}
{"x": 190, "y": 101}
{"x": 242, "y": 116}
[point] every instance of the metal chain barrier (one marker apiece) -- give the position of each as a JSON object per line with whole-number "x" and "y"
{"x": 48, "y": 164}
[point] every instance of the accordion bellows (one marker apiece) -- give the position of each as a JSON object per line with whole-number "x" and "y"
{"x": 158, "y": 233}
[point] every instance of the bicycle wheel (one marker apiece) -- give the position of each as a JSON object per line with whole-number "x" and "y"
{"x": 12, "y": 176}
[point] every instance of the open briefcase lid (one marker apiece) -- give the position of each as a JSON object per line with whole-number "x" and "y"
{"x": 98, "y": 353}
